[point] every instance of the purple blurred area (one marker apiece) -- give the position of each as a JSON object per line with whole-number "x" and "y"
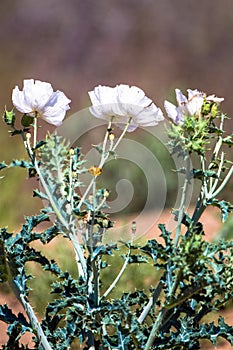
{"x": 156, "y": 45}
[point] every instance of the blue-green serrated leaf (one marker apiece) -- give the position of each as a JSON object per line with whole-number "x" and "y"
{"x": 103, "y": 250}
{"x": 3, "y": 165}
{"x": 228, "y": 140}
{"x": 98, "y": 148}
{"x": 7, "y": 316}
{"x": 39, "y": 144}
{"x": 21, "y": 163}
{"x": 49, "y": 234}
{"x": 133, "y": 259}
{"x": 225, "y": 207}
{"x": 151, "y": 248}
{"x": 200, "y": 174}
{"x": 41, "y": 195}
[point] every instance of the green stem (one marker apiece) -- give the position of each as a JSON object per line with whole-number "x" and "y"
{"x": 122, "y": 269}
{"x": 226, "y": 179}
{"x": 151, "y": 302}
{"x": 121, "y": 136}
{"x": 96, "y": 281}
{"x": 182, "y": 202}
{"x": 216, "y": 151}
{"x": 103, "y": 159}
{"x": 154, "y": 330}
{"x": 35, "y": 131}
{"x": 35, "y": 323}
{"x": 117, "y": 278}
{"x": 214, "y": 185}
{"x": 69, "y": 228}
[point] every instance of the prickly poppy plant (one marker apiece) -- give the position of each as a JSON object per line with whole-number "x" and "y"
{"x": 192, "y": 277}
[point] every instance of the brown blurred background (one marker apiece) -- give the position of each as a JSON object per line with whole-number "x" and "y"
{"x": 76, "y": 45}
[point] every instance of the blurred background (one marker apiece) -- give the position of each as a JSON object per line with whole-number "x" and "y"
{"x": 76, "y": 45}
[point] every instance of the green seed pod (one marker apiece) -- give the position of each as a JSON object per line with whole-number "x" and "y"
{"x": 27, "y": 120}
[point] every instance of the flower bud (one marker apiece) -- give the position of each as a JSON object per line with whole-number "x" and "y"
{"x": 105, "y": 223}
{"x": 106, "y": 193}
{"x": 133, "y": 227}
{"x": 28, "y": 136}
{"x": 71, "y": 152}
{"x": 111, "y": 136}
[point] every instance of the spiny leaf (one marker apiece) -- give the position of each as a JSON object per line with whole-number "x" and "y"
{"x": 21, "y": 163}
{"x": 225, "y": 207}
{"x": 41, "y": 195}
{"x": 3, "y": 165}
{"x": 7, "y": 316}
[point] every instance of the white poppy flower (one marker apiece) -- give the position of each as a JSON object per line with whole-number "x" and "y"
{"x": 190, "y": 106}
{"x": 38, "y": 98}
{"x": 123, "y": 102}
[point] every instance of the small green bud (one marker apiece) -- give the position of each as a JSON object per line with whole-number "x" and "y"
{"x": 9, "y": 117}
{"x": 134, "y": 226}
{"x": 105, "y": 223}
{"x": 214, "y": 110}
{"x": 206, "y": 108}
{"x": 27, "y": 120}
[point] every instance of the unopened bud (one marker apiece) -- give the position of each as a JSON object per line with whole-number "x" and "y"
{"x": 106, "y": 193}
{"x": 105, "y": 223}
{"x": 71, "y": 151}
{"x": 28, "y": 136}
{"x": 134, "y": 226}
{"x": 111, "y": 136}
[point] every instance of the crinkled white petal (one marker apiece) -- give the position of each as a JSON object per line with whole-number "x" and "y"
{"x": 122, "y": 103}
{"x": 36, "y": 94}
{"x": 194, "y": 105}
{"x": 194, "y": 93}
{"x": 104, "y": 102}
{"x": 149, "y": 116}
{"x": 180, "y": 98}
{"x": 132, "y": 96}
{"x": 19, "y": 101}
{"x": 55, "y": 109}
{"x": 171, "y": 111}
{"x": 213, "y": 98}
